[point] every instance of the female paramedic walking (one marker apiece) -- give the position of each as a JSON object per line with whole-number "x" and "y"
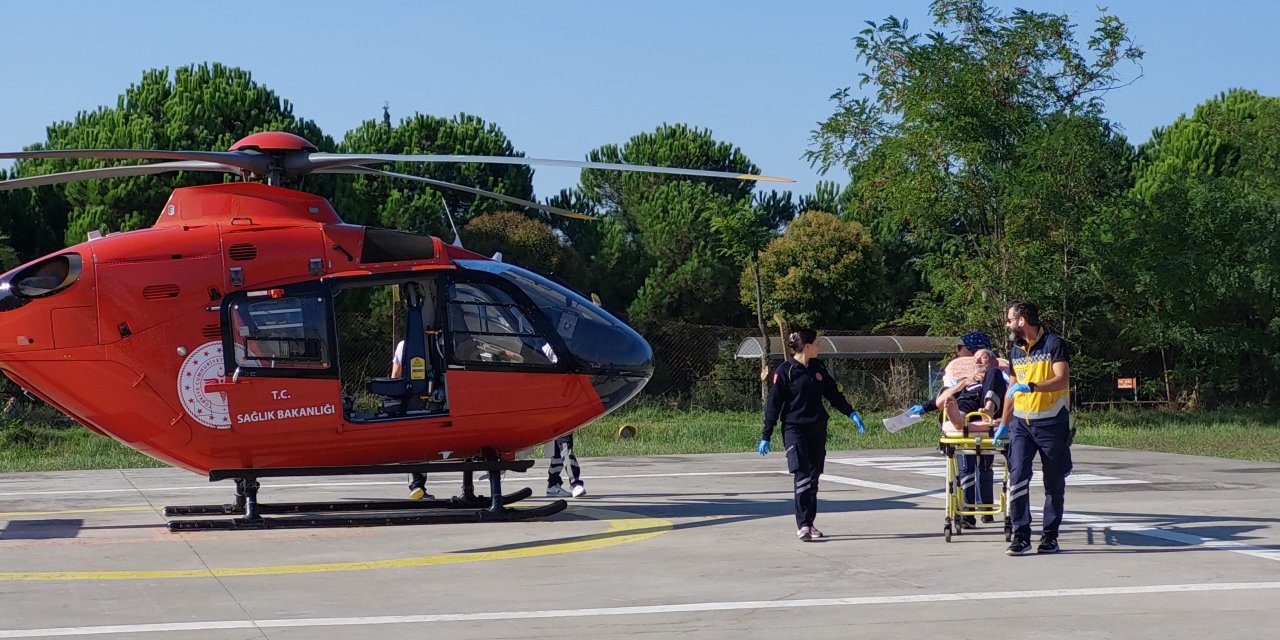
{"x": 795, "y": 394}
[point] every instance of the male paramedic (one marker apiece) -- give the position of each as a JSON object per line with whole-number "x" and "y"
{"x": 1040, "y": 424}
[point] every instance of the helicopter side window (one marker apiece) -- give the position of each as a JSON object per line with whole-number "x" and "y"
{"x": 488, "y": 327}
{"x": 281, "y": 333}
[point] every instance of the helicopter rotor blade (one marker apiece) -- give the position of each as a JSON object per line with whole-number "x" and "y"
{"x": 458, "y": 187}
{"x": 247, "y": 161}
{"x": 116, "y": 172}
{"x": 320, "y": 161}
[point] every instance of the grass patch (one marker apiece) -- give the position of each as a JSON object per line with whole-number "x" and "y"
{"x": 1246, "y": 434}
{"x": 61, "y": 448}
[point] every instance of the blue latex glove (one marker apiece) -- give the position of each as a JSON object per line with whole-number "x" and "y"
{"x": 1021, "y": 387}
{"x": 858, "y": 421}
{"x": 1001, "y": 435}
{"x": 916, "y": 409}
{"x": 763, "y": 448}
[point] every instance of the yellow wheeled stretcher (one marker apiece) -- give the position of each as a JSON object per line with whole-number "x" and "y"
{"x": 972, "y": 438}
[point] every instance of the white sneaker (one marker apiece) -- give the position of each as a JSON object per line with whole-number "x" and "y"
{"x": 804, "y": 534}
{"x": 557, "y": 492}
{"x": 579, "y": 490}
{"x": 814, "y": 533}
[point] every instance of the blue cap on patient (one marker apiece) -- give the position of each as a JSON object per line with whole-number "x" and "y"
{"x": 975, "y": 340}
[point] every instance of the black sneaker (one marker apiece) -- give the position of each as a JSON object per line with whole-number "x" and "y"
{"x": 1019, "y": 546}
{"x": 988, "y": 519}
{"x": 1048, "y": 544}
{"x": 968, "y": 522}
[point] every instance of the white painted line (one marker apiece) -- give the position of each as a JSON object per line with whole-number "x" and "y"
{"x": 1136, "y": 527}
{"x": 881, "y": 486}
{"x": 696, "y": 607}
{"x": 935, "y": 466}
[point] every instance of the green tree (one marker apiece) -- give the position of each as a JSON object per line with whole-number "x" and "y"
{"x": 656, "y": 251}
{"x": 952, "y": 136}
{"x": 8, "y": 257}
{"x": 1198, "y": 248}
{"x": 413, "y": 206}
{"x": 744, "y": 233}
{"x": 525, "y": 242}
{"x": 200, "y": 107}
{"x": 823, "y": 272}
{"x": 689, "y": 279}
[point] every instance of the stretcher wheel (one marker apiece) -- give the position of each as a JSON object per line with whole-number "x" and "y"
{"x": 955, "y": 525}
{"x": 1008, "y": 532}
{"x": 946, "y": 533}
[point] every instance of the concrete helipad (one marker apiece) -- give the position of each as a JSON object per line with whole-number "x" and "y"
{"x": 1155, "y": 545}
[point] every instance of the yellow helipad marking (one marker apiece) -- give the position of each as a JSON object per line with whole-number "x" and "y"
{"x": 21, "y": 514}
{"x": 624, "y": 528}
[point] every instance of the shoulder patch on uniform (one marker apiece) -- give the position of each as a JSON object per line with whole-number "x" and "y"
{"x": 818, "y": 376}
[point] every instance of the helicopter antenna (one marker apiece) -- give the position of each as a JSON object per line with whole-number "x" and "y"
{"x": 457, "y": 237}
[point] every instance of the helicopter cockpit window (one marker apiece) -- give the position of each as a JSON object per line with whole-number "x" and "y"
{"x": 47, "y": 277}
{"x": 595, "y": 338}
{"x": 281, "y": 333}
{"x": 487, "y": 327}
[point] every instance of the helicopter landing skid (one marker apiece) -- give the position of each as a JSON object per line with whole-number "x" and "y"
{"x": 456, "y": 502}
{"x": 468, "y": 507}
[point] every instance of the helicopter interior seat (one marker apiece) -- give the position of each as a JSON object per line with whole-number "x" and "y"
{"x": 405, "y": 394}
{"x": 400, "y": 392}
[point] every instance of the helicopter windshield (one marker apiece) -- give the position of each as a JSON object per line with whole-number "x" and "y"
{"x": 598, "y": 340}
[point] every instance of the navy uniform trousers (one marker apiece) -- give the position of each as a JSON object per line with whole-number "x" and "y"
{"x": 806, "y": 456}
{"x": 1050, "y": 439}
{"x": 977, "y": 477}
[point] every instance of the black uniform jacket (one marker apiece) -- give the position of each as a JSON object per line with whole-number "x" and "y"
{"x": 795, "y": 395}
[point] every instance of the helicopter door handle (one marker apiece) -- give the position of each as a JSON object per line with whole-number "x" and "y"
{"x": 215, "y": 387}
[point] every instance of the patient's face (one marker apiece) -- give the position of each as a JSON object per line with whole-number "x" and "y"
{"x": 983, "y": 359}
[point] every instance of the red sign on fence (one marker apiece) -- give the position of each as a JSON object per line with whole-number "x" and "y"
{"x": 1126, "y": 383}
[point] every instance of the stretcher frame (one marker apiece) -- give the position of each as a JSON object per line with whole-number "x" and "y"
{"x": 953, "y": 445}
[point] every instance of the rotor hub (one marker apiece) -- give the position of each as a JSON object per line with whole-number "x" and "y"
{"x": 267, "y": 141}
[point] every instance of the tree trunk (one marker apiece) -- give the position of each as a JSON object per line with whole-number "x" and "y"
{"x": 764, "y": 333}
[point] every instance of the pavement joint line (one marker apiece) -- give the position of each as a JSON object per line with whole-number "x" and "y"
{"x": 624, "y": 528}
{"x": 661, "y": 609}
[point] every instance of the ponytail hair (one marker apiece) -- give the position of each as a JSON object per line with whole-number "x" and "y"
{"x": 800, "y": 337}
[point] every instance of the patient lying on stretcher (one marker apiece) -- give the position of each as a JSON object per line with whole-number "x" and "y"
{"x": 981, "y": 389}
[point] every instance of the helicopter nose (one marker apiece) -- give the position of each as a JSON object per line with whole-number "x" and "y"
{"x": 616, "y": 389}
{"x": 625, "y": 371}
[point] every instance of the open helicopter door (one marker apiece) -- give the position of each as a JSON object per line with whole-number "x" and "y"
{"x": 416, "y": 387}
{"x": 281, "y": 374}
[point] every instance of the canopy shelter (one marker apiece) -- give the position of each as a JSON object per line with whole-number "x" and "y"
{"x": 863, "y": 347}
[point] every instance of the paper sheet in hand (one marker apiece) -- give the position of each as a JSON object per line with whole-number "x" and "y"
{"x": 902, "y": 421}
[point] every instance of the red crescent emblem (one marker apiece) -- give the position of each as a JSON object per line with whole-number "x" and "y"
{"x": 775, "y": 377}
{"x": 818, "y": 376}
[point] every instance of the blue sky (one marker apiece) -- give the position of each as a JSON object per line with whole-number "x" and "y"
{"x": 562, "y": 78}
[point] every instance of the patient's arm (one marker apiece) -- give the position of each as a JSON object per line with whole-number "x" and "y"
{"x": 949, "y": 393}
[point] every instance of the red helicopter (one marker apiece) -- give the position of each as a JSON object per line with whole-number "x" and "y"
{"x": 208, "y": 341}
